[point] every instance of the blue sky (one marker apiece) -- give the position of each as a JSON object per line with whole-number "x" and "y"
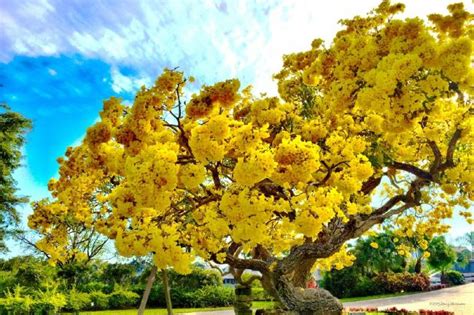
{"x": 60, "y": 59}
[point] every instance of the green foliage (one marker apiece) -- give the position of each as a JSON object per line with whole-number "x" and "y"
{"x": 255, "y": 284}
{"x": 26, "y": 271}
{"x": 259, "y": 294}
{"x": 197, "y": 279}
{"x": 94, "y": 286}
{"x": 183, "y": 287}
{"x": 123, "y": 275}
{"x": 463, "y": 257}
{"x": 384, "y": 259}
{"x": 390, "y": 282}
{"x": 15, "y": 302}
{"x": 43, "y": 302}
{"x": 99, "y": 300}
{"x": 77, "y": 301}
{"x": 7, "y": 281}
{"x": 349, "y": 282}
{"x": 454, "y": 277}
{"x": 442, "y": 255}
{"x": 13, "y": 127}
{"x": 212, "y": 296}
{"x": 122, "y": 298}
{"x": 48, "y": 302}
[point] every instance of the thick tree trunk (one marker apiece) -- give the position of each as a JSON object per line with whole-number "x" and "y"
{"x": 315, "y": 301}
{"x": 302, "y": 273}
{"x": 146, "y": 293}
{"x": 166, "y": 287}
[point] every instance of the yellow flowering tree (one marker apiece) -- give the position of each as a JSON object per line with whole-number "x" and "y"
{"x": 375, "y": 127}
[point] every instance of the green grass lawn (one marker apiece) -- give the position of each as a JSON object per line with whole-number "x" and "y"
{"x": 152, "y": 311}
{"x": 374, "y": 297}
{"x": 256, "y": 305}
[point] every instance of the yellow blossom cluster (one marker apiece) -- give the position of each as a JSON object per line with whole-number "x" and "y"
{"x": 383, "y": 112}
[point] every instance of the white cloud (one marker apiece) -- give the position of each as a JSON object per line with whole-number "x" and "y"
{"x": 214, "y": 40}
{"x": 123, "y": 83}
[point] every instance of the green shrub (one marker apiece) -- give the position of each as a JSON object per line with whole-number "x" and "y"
{"x": 259, "y": 294}
{"x": 341, "y": 283}
{"x": 122, "y": 299}
{"x": 15, "y": 303}
{"x": 454, "y": 277}
{"x": 99, "y": 300}
{"x": 48, "y": 302}
{"x": 390, "y": 282}
{"x": 180, "y": 297}
{"x": 93, "y": 286}
{"x": 7, "y": 281}
{"x": 212, "y": 296}
{"x": 78, "y": 300}
{"x": 366, "y": 287}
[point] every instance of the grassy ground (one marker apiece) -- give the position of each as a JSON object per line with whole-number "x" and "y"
{"x": 256, "y": 305}
{"x": 152, "y": 311}
{"x": 374, "y": 297}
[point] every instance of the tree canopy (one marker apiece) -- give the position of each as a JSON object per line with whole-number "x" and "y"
{"x": 13, "y": 127}
{"x": 442, "y": 255}
{"x": 374, "y": 126}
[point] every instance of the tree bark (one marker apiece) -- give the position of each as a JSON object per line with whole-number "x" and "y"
{"x": 418, "y": 265}
{"x": 302, "y": 273}
{"x": 243, "y": 300}
{"x": 146, "y": 293}
{"x": 314, "y": 301}
{"x": 166, "y": 287}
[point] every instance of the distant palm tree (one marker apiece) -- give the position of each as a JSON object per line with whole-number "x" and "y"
{"x": 467, "y": 239}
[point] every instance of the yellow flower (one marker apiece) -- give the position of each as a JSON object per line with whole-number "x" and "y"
{"x": 374, "y": 245}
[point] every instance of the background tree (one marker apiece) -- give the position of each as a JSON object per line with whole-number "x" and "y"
{"x": 378, "y": 254}
{"x": 13, "y": 127}
{"x": 83, "y": 242}
{"x": 467, "y": 240}
{"x": 279, "y": 184}
{"x": 442, "y": 256}
{"x": 463, "y": 257}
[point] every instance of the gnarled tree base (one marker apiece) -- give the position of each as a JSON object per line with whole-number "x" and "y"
{"x": 314, "y": 301}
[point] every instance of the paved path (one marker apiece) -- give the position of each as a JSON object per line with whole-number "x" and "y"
{"x": 459, "y": 300}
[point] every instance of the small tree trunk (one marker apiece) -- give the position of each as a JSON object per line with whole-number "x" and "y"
{"x": 418, "y": 265}
{"x": 243, "y": 300}
{"x": 146, "y": 293}
{"x": 443, "y": 278}
{"x": 166, "y": 287}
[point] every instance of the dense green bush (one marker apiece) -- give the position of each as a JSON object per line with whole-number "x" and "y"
{"x": 390, "y": 282}
{"x": 77, "y": 300}
{"x": 93, "y": 286}
{"x": 15, "y": 303}
{"x": 454, "y": 277}
{"x": 259, "y": 294}
{"x": 42, "y": 303}
{"x": 212, "y": 296}
{"x": 365, "y": 287}
{"x": 7, "y": 281}
{"x": 197, "y": 279}
{"x": 123, "y": 299}
{"x": 48, "y": 302}
{"x": 99, "y": 300}
{"x": 349, "y": 283}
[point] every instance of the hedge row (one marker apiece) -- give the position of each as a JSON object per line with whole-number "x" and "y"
{"x": 50, "y": 303}
{"x": 346, "y": 283}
